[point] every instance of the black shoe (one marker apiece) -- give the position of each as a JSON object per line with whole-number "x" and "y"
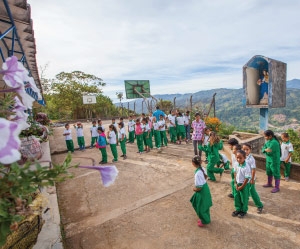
{"x": 230, "y": 196}
{"x": 122, "y": 156}
{"x": 235, "y": 213}
{"x": 242, "y": 214}
{"x": 259, "y": 210}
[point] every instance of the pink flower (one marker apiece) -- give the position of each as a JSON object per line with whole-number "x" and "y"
{"x": 9, "y": 142}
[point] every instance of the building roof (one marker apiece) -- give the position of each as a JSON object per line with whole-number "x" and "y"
{"x": 17, "y": 37}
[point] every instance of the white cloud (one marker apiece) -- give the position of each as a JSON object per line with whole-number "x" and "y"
{"x": 180, "y": 46}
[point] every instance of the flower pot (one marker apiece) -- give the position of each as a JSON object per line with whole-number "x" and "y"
{"x": 30, "y": 149}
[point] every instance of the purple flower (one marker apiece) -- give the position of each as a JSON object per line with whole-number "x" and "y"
{"x": 18, "y": 106}
{"x": 9, "y": 142}
{"x": 14, "y": 72}
{"x": 108, "y": 173}
{"x": 33, "y": 86}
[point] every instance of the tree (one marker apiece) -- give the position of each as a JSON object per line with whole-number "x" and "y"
{"x": 64, "y": 96}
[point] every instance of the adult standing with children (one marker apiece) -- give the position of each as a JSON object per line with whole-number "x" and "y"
{"x": 272, "y": 151}
{"x": 157, "y": 113}
{"x": 198, "y": 126}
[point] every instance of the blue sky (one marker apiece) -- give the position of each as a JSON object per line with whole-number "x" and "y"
{"x": 180, "y": 46}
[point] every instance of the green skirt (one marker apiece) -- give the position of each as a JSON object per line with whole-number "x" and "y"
{"x": 201, "y": 202}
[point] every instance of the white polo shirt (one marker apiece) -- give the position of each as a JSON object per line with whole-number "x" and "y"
{"x": 69, "y": 132}
{"x": 243, "y": 172}
{"x": 286, "y": 148}
{"x": 112, "y": 138}
{"x": 200, "y": 178}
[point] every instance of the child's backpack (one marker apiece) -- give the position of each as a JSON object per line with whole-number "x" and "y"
{"x": 138, "y": 129}
{"x": 101, "y": 142}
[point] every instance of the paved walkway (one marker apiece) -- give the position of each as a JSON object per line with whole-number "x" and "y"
{"x": 148, "y": 206}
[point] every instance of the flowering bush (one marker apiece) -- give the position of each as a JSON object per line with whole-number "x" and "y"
{"x": 19, "y": 183}
{"x": 42, "y": 118}
{"x": 213, "y": 123}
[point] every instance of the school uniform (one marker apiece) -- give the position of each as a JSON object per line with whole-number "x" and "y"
{"x": 139, "y": 137}
{"x": 286, "y": 149}
{"x": 272, "y": 158}
{"x": 69, "y": 141}
{"x": 205, "y": 143}
{"x": 146, "y": 134}
{"x": 102, "y": 147}
{"x": 149, "y": 139}
{"x": 241, "y": 197}
{"x": 163, "y": 135}
{"x": 223, "y": 160}
{"x": 94, "y": 134}
{"x": 112, "y": 140}
{"x": 213, "y": 158}
{"x": 172, "y": 128}
{"x": 122, "y": 133}
{"x": 253, "y": 193}
{"x": 180, "y": 127}
{"x": 131, "y": 125}
{"x": 80, "y": 137}
{"x": 201, "y": 200}
{"x": 157, "y": 137}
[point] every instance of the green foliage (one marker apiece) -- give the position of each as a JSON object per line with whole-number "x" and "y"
{"x": 64, "y": 96}
{"x": 225, "y": 130}
{"x": 295, "y": 140}
{"x": 35, "y": 129}
{"x": 165, "y": 105}
{"x": 18, "y": 185}
{"x": 6, "y": 103}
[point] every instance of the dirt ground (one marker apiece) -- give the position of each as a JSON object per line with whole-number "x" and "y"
{"x": 148, "y": 205}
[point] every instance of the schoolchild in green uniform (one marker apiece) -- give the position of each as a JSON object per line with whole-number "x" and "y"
{"x": 286, "y": 155}
{"x": 201, "y": 199}
{"x": 212, "y": 149}
{"x": 242, "y": 178}
{"x": 251, "y": 161}
{"x": 68, "y": 136}
{"x": 122, "y": 139}
{"x": 272, "y": 151}
{"x": 112, "y": 140}
{"x": 131, "y": 125}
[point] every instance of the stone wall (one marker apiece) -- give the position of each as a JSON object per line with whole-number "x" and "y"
{"x": 295, "y": 168}
{"x": 256, "y": 140}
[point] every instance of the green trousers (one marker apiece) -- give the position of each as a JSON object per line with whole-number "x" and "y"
{"x": 287, "y": 168}
{"x": 139, "y": 141}
{"x": 114, "y": 151}
{"x": 173, "y": 136}
{"x": 104, "y": 155}
{"x": 273, "y": 169}
{"x": 157, "y": 138}
{"x": 81, "y": 142}
{"x": 146, "y": 138}
{"x": 181, "y": 131}
{"x": 211, "y": 169}
{"x": 123, "y": 146}
{"x": 241, "y": 199}
{"x": 255, "y": 196}
{"x": 70, "y": 145}
{"x": 131, "y": 137}
{"x": 93, "y": 141}
{"x": 164, "y": 140}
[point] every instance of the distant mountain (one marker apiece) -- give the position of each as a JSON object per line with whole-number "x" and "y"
{"x": 230, "y": 109}
{"x": 295, "y": 83}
